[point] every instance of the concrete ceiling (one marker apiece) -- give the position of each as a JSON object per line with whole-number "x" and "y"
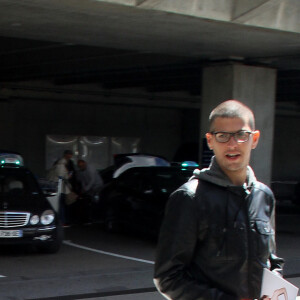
{"x": 76, "y": 41}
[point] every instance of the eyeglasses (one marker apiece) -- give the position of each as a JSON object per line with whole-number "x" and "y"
{"x": 240, "y": 136}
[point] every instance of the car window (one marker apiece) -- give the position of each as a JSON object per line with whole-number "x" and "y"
{"x": 168, "y": 181}
{"x": 137, "y": 180}
{"x": 14, "y": 182}
{"x": 158, "y": 180}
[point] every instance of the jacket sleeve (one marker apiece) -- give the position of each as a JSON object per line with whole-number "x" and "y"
{"x": 177, "y": 242}
{"x": 276, "y": 263}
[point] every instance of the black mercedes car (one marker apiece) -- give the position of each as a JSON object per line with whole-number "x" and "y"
{"x": 26, "y": 216}
{"x": 136, "y": 199}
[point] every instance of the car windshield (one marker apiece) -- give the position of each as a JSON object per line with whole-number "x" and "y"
{"x": 16, "y": 182}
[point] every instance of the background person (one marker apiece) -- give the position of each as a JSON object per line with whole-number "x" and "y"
{"x": 90, "y": 185}
{"x": 218, "y": 231}
{"x": 64, "y": 168}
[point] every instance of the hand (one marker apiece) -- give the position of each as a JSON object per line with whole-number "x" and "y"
{"x": 276, "y": 294}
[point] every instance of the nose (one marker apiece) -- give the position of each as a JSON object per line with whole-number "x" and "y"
{"x": 232, "y": 142}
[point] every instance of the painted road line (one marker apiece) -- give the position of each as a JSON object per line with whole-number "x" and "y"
{"x": 2, "y": 276}
{"x": 69, "y": 243}
{"x": 101, "y": 294}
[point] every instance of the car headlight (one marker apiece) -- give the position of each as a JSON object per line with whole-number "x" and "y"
{"x": 34, "y": 219}
{"x": 47, "y": 217}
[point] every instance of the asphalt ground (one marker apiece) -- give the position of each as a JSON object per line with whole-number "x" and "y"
{"x": 93, "y": 264}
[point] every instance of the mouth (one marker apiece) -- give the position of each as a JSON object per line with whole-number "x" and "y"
{"x": 233, "y": 156}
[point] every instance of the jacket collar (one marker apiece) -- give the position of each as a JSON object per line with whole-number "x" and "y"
{"x": 215, "y": 175}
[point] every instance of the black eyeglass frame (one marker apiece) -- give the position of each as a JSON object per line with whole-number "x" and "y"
{"x": 232, "y": 134}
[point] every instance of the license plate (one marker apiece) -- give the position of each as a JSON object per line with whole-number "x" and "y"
{"x": 11, "y": 233}
{"x": 10, "y": 160}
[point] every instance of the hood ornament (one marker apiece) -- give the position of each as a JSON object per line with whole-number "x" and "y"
{"x": 5, "y": 205}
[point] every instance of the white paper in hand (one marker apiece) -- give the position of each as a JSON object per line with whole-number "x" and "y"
{"x": 276, "y": 288}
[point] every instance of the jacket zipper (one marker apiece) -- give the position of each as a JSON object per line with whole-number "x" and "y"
{"x": 249, "y": 245}
{"x": 224, "y": 231}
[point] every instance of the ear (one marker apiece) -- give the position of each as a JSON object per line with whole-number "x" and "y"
{"x": 209, "y": 140}
{"x": 255, "y": 139}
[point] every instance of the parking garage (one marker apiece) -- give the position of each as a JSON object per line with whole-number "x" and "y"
{"x": 144, "y": 74}
{"x": 113, "y": 76}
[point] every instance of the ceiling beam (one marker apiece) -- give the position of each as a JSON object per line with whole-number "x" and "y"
{"x": 256, "y": 11}
{"x": 19, "y": 92}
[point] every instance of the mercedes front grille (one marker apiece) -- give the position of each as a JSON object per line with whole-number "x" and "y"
{"x": 13, "y": 219}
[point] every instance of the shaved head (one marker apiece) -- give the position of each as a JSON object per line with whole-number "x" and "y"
{"x": 232, "y": 109}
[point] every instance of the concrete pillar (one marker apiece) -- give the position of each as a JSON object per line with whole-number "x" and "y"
{"x": 254, "y": 86}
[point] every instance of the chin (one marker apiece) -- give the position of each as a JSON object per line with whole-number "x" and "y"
{"x": 234, "y": 168}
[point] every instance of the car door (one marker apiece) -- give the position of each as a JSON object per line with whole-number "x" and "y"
{"x": 136, "y": 188}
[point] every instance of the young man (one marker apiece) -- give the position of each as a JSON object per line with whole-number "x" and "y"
{"x": 218, "y": 232}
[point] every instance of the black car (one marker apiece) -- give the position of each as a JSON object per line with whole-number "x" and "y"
{"x": 136, "y": 199}
{"x": 8, "y": 157}
{"x": 125, "y": 161}
{"x": 26, "y": 216}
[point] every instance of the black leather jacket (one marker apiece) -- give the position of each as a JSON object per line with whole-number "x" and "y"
{"x": 216, "y": 239}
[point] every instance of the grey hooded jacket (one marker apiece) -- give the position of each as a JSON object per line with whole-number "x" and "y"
{"x": 216, "y": 239}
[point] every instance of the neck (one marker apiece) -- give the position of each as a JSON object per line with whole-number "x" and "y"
{"x": 237, "y": 177}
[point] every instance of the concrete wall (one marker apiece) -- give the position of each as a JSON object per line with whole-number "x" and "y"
{"x": 25, "y": 124}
